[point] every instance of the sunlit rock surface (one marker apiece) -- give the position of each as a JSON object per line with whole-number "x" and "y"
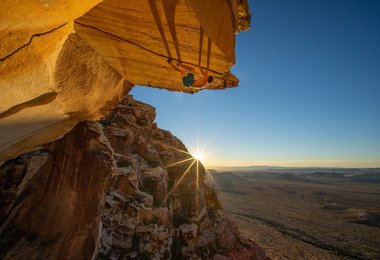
{"x": 106, "y": 191}
{"x": 111, "y": 188}
{"x": 52, "y": 91}
{"x": 137, "y": 37}
{"x": 65, "y": 61}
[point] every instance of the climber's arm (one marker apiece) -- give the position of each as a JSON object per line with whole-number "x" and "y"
{"x": 202, "y": 71}
{"x": 188, "y": 67}
{"x": 179, "y": 69}
{"x": 174, "y": 66}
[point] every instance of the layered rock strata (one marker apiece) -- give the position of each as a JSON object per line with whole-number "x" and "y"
{"x": 114, "y": 189}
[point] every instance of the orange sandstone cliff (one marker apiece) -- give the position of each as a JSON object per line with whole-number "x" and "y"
{"x": 75, "y": 188}
{"x": 65, "y": 61}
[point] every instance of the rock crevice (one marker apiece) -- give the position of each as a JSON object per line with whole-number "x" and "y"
{"x": 29, "y": 41}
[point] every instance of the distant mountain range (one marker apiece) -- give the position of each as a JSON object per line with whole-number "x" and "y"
{"x": 299, "y": 170}
{"x": 299, "y": 174}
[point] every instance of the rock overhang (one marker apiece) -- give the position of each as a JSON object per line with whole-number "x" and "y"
{"x": 137, "y": 37}
{"x": 64, "y": 61}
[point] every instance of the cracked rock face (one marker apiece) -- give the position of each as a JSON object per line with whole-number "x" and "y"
{"x": 65, "y": 61}
{"x": 106, "y": 191}
{"x": 20, "y": 20}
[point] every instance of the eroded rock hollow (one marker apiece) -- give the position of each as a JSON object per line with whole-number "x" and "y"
{"x": 65, "y": 61}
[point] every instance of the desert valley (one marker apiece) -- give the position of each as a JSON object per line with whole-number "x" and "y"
{"x": 305, "y": 213}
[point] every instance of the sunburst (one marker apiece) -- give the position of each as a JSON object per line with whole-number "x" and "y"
{"x": 196, "y": 156}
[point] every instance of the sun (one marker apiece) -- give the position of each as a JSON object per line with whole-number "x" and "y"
{"x": 198, "y": 156}
{"x": 194, "y": 157}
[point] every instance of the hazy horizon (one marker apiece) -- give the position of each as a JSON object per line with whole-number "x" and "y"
{"x": 308, "y": 95}
{"x": 289, "y": 166}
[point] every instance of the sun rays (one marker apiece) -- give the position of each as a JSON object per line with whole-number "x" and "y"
{"x": 195, "y": 157}
{"x": 198, "y": 156}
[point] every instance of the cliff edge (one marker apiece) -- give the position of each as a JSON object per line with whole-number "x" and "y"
{"x": 72, "y": 187}
{"x": 120, "y": 188}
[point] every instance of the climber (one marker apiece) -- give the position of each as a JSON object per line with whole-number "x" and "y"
{"x": 187, "y": 73}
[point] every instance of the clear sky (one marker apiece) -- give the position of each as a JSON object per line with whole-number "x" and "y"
{"x": 309, "y": 92}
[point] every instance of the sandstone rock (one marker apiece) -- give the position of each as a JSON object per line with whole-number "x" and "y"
{"x": 219, "y": 257}
{"x": 144, "y": 198}
{"x": 40, "y": 97}
{"x": 143, "y": 229}
{"x": 162, "y": 215}
{"x": 123, "y": 184}
{"x": 116, "y": 195}
{"x": 121, "y": 139}
{"x": 34, "y": 166}
{"x": 79, "y": 202}
{"x": 65, "y": 61}
{"x": 154, "y": 181}
{"x": 188, "y": 231}
{"x": 153, "y": 30}
{"x": 211, "y": 198}
{"x": 60, "y": 202}
{"x": 128, "y": 223}
{"x": 20, "y": 20}
{"x": 145, "y": 215}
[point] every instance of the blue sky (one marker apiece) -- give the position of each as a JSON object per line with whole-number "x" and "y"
{"x": 309, "y": 92}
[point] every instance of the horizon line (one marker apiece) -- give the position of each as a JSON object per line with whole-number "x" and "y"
{"x": 282, "y": 166}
